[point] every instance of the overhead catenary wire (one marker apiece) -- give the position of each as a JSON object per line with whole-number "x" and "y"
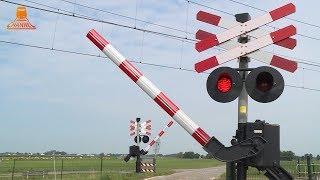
{"x": 79, "y": 16}
{"x": 176, "y": 37}
{"x": 123, "y": 16}
{"x": 137, "y": 62}
{"x": 81, "y": 53}
{"x": 301, "y": 60}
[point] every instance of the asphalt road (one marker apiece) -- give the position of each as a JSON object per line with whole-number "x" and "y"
{"x": 193, "y": 174}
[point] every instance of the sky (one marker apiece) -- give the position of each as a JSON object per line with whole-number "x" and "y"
{"x": 82, "y": 104}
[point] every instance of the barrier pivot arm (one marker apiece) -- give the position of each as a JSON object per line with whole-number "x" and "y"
{"x": 211, "y": 145}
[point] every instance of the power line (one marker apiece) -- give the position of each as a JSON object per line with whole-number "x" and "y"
{"x": 137, "y": 62}
{"x": 209, "y": 7}
{"x": 180, "y": 38}
{"x": 302, "y": 87}
{"x": 113, "y": 13}
{"x": 79, "y": 16}
{"x": 88, "y": 54}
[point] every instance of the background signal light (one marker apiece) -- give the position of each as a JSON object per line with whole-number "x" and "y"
{"x": 224, "y": 84}
{"x": 264, "y": 84}
{"x": 264, "y": 81}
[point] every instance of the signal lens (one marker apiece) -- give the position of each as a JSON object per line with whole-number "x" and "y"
{"x": 264, "y": 81}
{"x": 224, "y": 83}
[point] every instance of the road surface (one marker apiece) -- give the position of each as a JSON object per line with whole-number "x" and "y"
{"x": 194, "y": 174}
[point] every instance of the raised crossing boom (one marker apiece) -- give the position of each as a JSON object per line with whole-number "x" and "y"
{"x": 244, "y": 149}
{"x": 148, "y": 87}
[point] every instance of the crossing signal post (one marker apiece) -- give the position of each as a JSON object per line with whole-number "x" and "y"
{"x": 263, "y": 84}
{"x": 143, "y": 164}
{"x": 253, "y": 140}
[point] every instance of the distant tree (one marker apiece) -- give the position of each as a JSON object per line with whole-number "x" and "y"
{"x": 63, "y": 153}
{"x": 54, "y": 152}
{"x": 209, "y": 156}
{"x": 191, "y": 155}
{"x": 102, "y": 155}
{"x": 318, "y": 157}
{"x": 180, "y": 155}
{"x": 287, "y": 155}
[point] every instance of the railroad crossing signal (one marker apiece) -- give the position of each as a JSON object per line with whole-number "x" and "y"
{"x": 224, "y": 84}
{"x": 133, "y": 128}
{"x": 263, "y": 84}
{"x": 235, "y": 49}
{"x": 145, "y": 130}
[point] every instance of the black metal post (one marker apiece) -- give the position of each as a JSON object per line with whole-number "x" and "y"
{"x": 309, "y": 167}
{"x": 230, "y": 171}
{"x": 138, "y": 164}
{"x": 13, "y": 168}
{"x": 138, "y": 160}
{"x": 242, "y": 166}
{"x": 101, "y": 164}
{"x": 61, "y": 172}
{"x": 299, "y": 168}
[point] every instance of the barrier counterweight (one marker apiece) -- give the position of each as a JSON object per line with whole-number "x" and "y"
{"x": 149, "y": 88}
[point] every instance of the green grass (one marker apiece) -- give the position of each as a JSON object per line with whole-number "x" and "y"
{"x": 112, "y": 168}
{"x": 290, "y": 166}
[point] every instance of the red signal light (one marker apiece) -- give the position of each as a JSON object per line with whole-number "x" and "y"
{"x": 224, "y": 83}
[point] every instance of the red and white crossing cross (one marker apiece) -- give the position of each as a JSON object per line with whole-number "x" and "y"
{"x": 251, "y": 49}
{"x": 216, "y": 20}
{"x": 146, "y": 128}
{"x": 133, "y": 128}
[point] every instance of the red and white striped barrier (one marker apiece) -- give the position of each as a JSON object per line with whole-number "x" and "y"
{"x": 149, "y": 88}
{"x": 169, "y": 124}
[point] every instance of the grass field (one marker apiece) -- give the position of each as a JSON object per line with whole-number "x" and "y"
{"x": 290, "y": 166}
{"x": 112, "y": 168}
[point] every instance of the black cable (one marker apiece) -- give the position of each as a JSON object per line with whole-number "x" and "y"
{"x": 148, "y": 31}
{"x": 91, "y": 55}
{"x": 301, "y": 87}
{"x": 180, "y": 38}
{"x": 102, "y": 21}
{"x": 112, "y": 13}
{"x": 137, "y": 62}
